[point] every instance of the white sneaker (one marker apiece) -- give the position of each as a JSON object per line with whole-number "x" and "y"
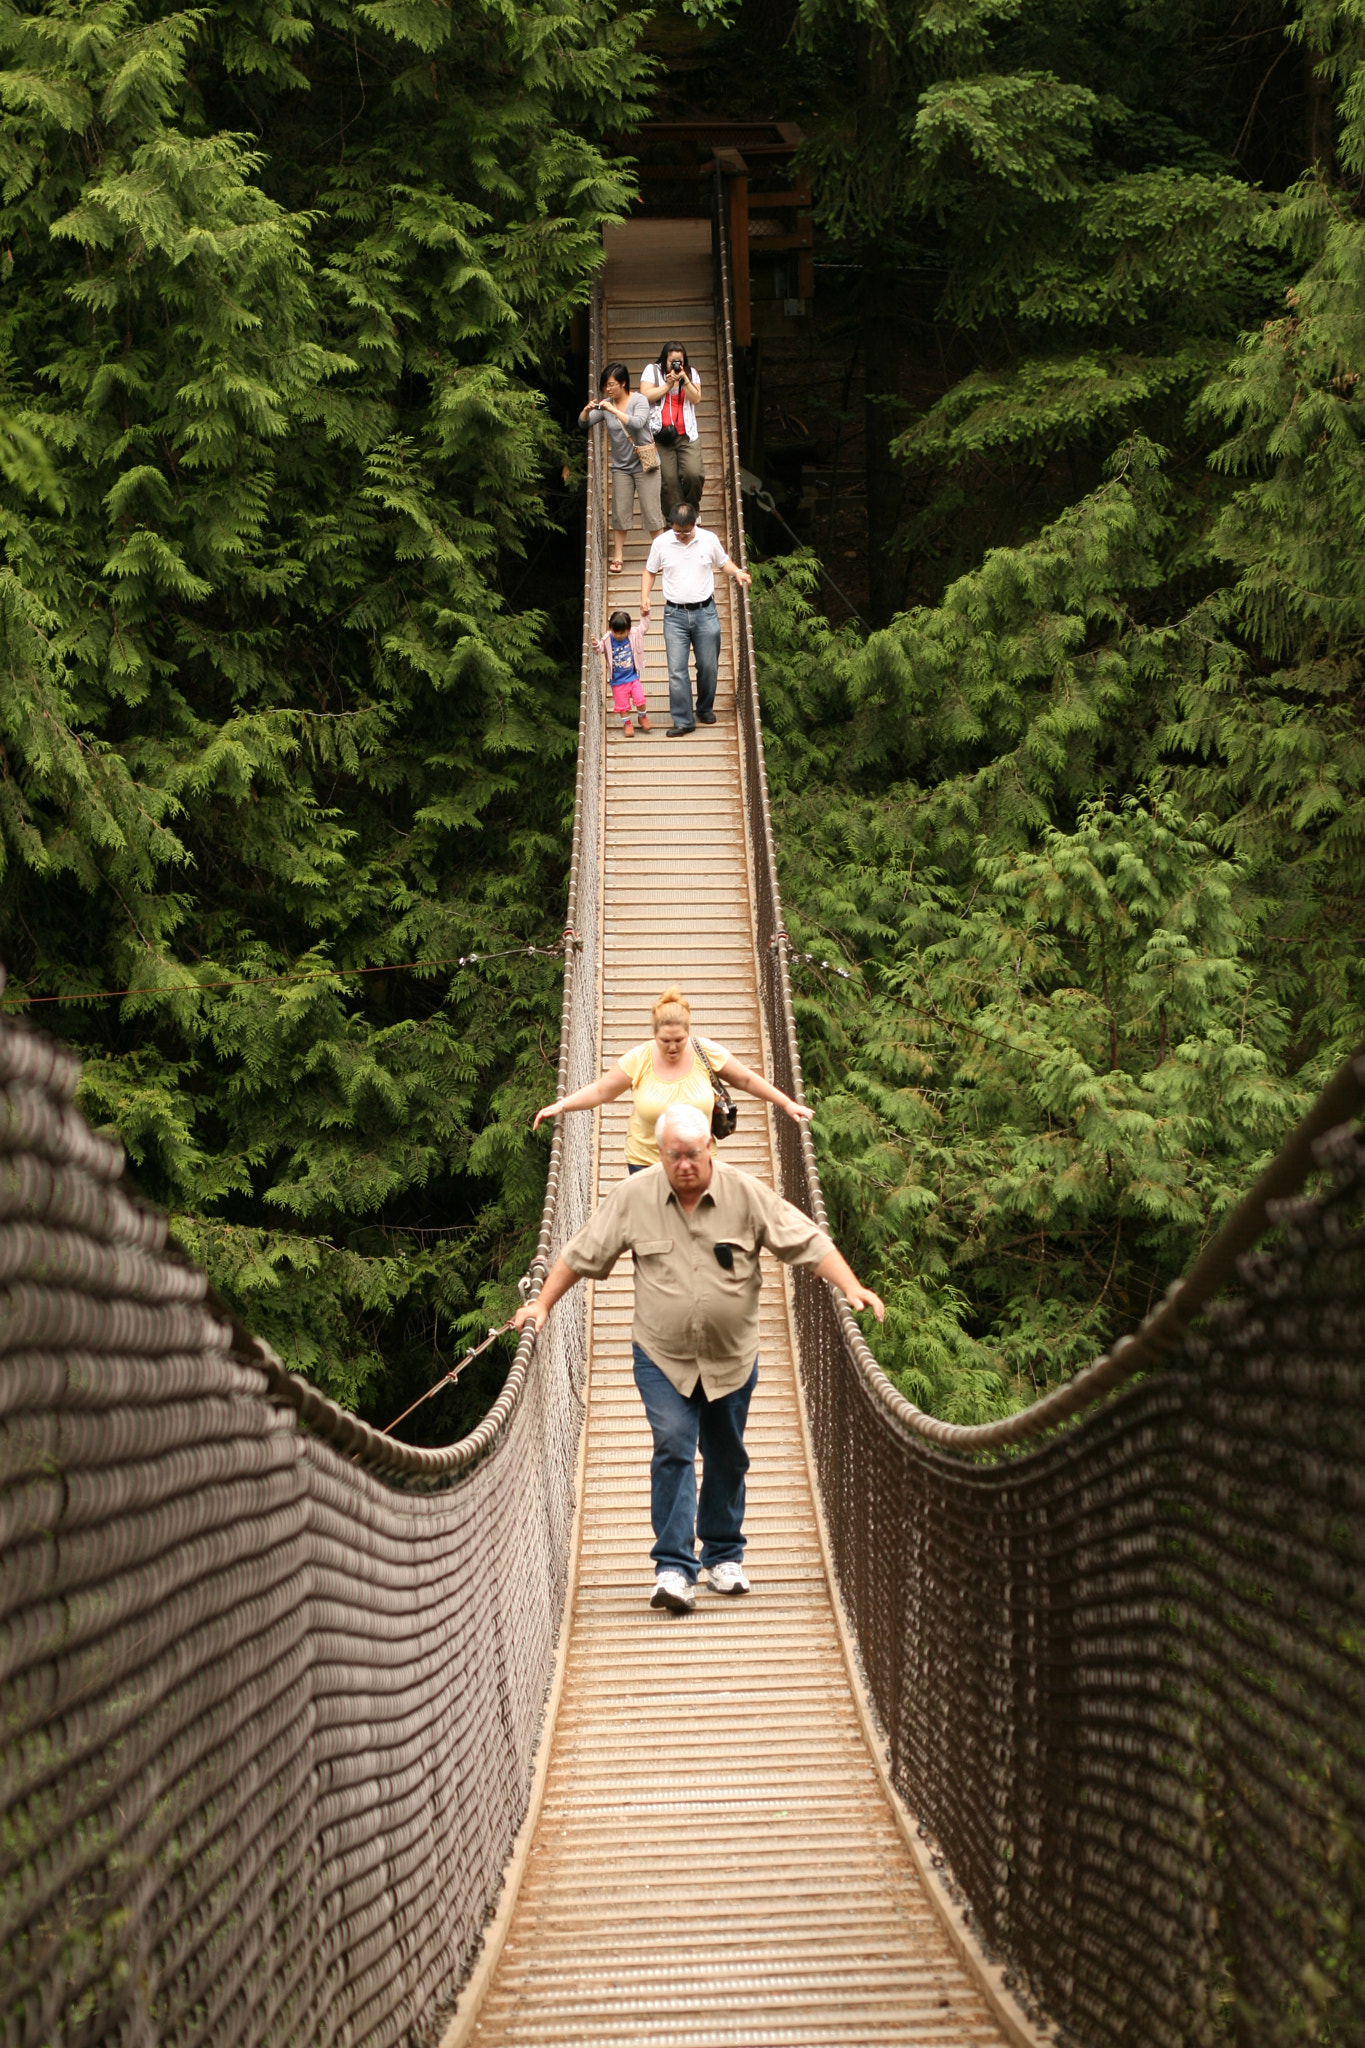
{"x": 728, "y": 1578}
{"x": 672, "y": 1590}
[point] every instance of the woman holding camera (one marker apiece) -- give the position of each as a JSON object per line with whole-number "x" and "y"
{"x": 625, "y": 415}
{"x": 673, "y": 389}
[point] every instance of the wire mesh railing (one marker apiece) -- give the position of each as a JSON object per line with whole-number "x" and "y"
{"x": 270, "y": 1682}
{"x": 1121, "y": 1675}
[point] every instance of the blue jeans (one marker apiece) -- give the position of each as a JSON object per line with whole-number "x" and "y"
{"x": 680, "y": 1422}
{"x": 696, "y": 627}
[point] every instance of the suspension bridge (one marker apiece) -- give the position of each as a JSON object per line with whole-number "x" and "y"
{"x": 1051, "y": 1730}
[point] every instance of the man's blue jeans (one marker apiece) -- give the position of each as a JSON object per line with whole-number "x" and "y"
{"x": 680, "y": 1422}
{"x": 695, "y": 627}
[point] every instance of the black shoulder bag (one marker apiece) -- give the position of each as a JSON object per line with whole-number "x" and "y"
{"x": 724, "y": 1108}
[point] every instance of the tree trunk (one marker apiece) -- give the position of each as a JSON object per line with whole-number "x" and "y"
{"x": 881, "y": 348}
{"x": 1317, "y": 113}
{"x": 881, "y": 364}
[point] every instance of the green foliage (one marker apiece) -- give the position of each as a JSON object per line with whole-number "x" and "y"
{"x": 286, "y": 294}
{"x": 1046, "y": 404}
{"x": 1031, "y": 146}
{"x": 1059, "y": 184}
{"x": 708, "y": 14}
{"x": 1086, "y": 829}
{"x": 1106, "y": 930}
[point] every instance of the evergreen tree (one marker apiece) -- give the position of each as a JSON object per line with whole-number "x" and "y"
{"x": 1051, "y": 198}
{"x": 1086, "y": 836}
{"x": 285, "y": 296}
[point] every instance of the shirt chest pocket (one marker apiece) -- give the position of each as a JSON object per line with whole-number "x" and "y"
{"x": 656, "y": 1268}
{"x": 736, "y": 1257}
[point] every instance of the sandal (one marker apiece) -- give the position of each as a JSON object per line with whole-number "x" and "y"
{"x": 615, "y": 567}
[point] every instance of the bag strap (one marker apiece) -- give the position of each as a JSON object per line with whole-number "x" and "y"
{"x": 645, "y": 432}
{"x": 717, "y": 1084}
{"x": 625, "y": 425}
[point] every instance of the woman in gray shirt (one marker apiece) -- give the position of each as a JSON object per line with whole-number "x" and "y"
{"x": 626, "y": 419}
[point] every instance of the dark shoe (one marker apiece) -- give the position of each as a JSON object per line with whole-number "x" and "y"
{"x": 706, "y": 717}
{"x": 678, "y": 732}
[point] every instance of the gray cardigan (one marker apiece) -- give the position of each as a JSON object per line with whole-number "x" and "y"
{"x": 623, "y": 455}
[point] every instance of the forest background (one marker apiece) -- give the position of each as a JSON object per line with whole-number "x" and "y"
{"x": 291, "y": 500}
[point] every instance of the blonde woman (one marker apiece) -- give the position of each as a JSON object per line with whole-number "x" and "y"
{"x": 664, "y": 1071}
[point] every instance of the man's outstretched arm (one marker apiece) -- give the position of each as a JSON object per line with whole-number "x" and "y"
{"x": 835, "y": 1268}
{"x": 560, "y": 1278}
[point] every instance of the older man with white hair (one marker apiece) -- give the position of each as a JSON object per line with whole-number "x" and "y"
{"x": 696, "y": 1227}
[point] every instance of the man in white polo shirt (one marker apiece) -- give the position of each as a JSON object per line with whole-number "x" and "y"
{"x": 687, "y": 556}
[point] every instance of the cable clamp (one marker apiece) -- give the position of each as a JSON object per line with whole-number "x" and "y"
{"x": 533, "y": 1279}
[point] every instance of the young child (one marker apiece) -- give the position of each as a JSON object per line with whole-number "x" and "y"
{"x": 623, "y": 647}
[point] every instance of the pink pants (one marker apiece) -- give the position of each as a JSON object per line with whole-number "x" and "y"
{"x": 623, "y": 695}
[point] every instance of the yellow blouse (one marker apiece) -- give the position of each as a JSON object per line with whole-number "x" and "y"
{"x": 652, "y": 1094}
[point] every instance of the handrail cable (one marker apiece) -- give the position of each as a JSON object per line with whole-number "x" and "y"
{"x": 357, "y": 1438}
{"x": 197, "y": 988}
{"x": 1216, "y": 1264}
{"x": 270, "y": 1681}
{"x": 1120, "y": 1674}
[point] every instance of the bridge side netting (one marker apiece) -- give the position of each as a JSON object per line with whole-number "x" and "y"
{"x": 1121, "y": 1675}
{"x": 270, "y": 1684}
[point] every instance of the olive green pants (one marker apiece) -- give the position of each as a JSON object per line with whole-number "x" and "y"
{"x": 682, "y": 475}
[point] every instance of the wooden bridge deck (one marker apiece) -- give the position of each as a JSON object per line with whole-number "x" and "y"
{"x": 715, "y": 1859}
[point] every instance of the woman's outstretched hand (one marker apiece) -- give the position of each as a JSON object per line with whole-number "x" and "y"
{"x": 799, "y": 1112}
{"x": 550, "y": 1109}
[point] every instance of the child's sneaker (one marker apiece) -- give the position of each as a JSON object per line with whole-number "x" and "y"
{"x": 644, "y": 721}
{"x": 628, "y": 729}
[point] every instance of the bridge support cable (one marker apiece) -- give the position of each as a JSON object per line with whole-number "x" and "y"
{"x": 1121, "y": 1672}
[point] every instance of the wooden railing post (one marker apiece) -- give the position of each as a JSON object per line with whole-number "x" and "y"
{"x": 736, "y": 173}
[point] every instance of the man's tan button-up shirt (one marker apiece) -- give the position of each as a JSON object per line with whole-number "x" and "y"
{"x": 692, "y": 1317}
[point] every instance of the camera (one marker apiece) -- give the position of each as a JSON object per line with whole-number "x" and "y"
{"x": 675, "y": 363}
